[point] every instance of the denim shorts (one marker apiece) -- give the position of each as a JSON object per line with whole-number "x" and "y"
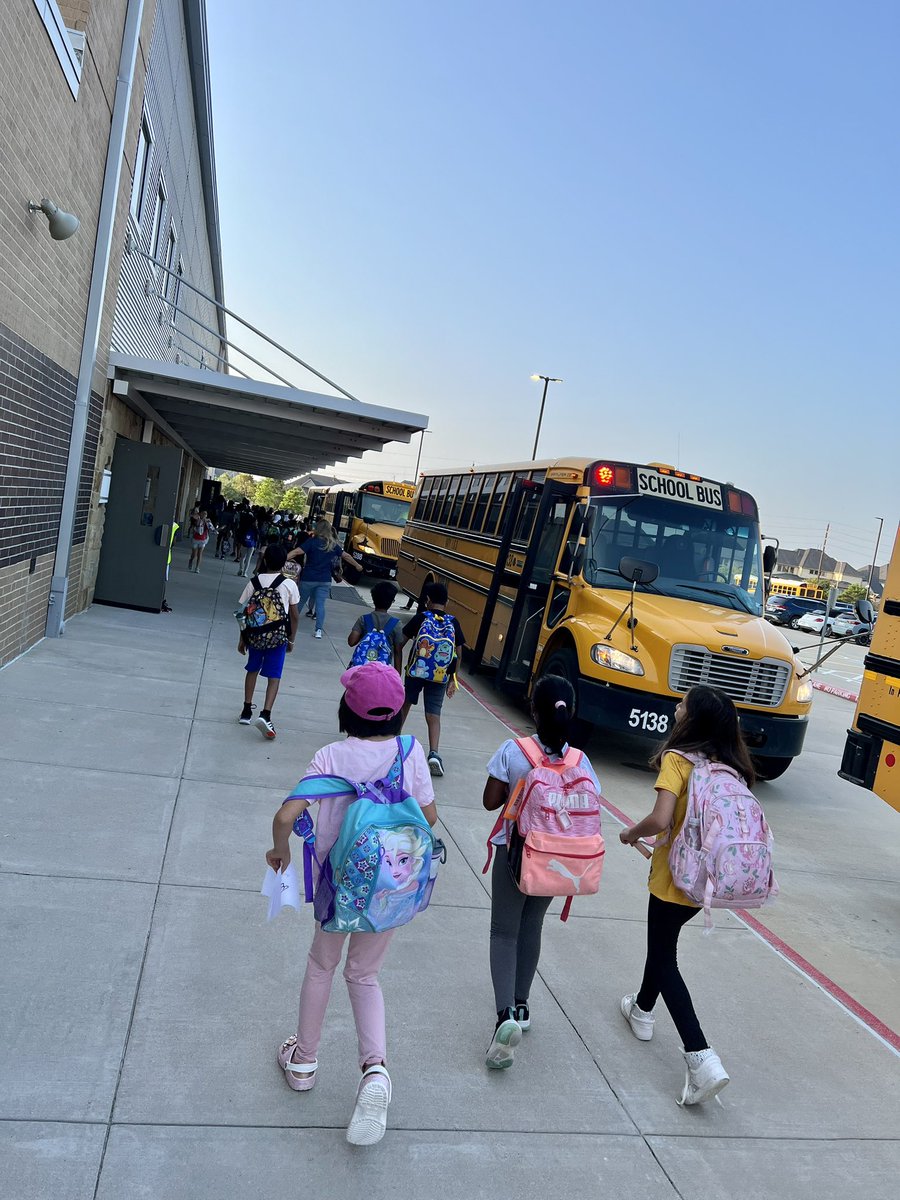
{"x": 269, "y": 663}
{"x": 434, "y": 694}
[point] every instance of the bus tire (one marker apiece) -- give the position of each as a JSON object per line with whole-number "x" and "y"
{"x": 771, "y": 768}
{"x": 564, "y": 662}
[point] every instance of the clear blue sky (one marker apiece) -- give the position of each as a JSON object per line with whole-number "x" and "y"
{"x": 687, "y": 210}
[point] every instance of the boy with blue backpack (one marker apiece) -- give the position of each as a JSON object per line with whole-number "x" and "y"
{"x": 374, "y": 859}
{"x": 437, "y": 641}
{"x": 377, "y": 636}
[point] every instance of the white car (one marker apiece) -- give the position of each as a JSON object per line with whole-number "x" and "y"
{"x": 813, "y": 622}
{"x": 849, "y": 625}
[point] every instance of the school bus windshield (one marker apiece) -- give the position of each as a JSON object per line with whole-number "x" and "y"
{"x": 701, "y": 554}
{"x": 381, "y": 508}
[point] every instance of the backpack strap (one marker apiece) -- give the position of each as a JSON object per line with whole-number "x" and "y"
{"x": 368, "y": 623}
{"x": 533, "y": 750}
{"x": 276, "y": 582}
{"x": 498, "y": 825}
{"x": 391, "y": 625}
{"x": 255, "y": 584}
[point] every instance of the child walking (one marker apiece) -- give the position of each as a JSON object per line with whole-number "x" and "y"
{"x": 516, "y": 919}
{"x": 706, "y": 723}
{"x": 369, "y": 716}
{"x": 384, "y": 593}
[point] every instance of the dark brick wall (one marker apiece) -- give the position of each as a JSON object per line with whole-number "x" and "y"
{"x": 37, "y": 399}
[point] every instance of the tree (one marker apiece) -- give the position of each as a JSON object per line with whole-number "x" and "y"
{"x": 229, "y": 491}
{"x": 269, "y": 493}
{"x": 245, "y": 486}
{"x": 294, "y": 500}
{"x": 852, "y": 592}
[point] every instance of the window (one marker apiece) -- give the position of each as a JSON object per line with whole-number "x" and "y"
{"x": 440, "y": 498}
{"x": 474, "y": 484}
{"x": 492, "y": 524}
{"x": 156, "y": 230}
{"x": 482, "y": 502}
{"x": 176, "y": 290}
{"x": 451, "y": 499}
{"x": 528, "y": 510}
{"x": 68, "y": 44}
{"x": 141, "y": 166}
{"x": 458, "y": 500}
{"x": 424, "y": 496}
{"x": 170, "y": 282}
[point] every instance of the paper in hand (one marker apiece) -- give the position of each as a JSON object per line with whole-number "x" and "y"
{"x": 282, "y": 889}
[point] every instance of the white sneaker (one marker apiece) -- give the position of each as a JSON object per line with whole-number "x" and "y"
{"x": 319, "y": 633}
{"x": 369, "y": 1120}
{"x": 641, "y": 1023}
{"x": 502, "y": 1050}
{"x": 705, "y": 1076}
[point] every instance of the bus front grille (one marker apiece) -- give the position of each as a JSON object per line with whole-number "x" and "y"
{"x": 760, "y": 681}
{"x": 390, "y": 547}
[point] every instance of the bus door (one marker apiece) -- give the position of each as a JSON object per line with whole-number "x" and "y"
{"x": 344, "y": 503}
{"x": 533, "y": 578}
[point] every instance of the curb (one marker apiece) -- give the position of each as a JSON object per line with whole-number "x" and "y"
{"x": 853, "y": 697}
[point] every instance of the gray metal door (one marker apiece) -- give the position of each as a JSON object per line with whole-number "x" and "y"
{"x": 139, "y": 516}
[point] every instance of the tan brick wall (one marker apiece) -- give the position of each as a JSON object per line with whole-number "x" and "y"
{"x": 23, "y": 601}
{"x": 75, "y": 13}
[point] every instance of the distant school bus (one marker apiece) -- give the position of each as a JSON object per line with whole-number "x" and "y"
{"x": 796, "y": 587}
{"x": 872, "y": 750}
{"x": 635, "y": 582}
{"x": 369, "y": 520}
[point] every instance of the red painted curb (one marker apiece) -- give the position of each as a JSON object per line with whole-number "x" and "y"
{"x": 853, "y": 697}
{"x": 832, "y": 989}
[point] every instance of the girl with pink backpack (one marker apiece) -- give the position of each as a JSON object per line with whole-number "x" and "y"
{"x": 706, "y": 732}
{"x": 517, "y": 917}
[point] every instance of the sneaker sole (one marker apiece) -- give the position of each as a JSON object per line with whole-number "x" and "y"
{"x": 369, "y": 1121}
{"x": 268, "y": 734}
{"x": 642, "y": 1036}
{"x": 708, "y": 1093}
{"x": 502, "y": 1050}
{"x": 245, "y": 720}
{"x": 435, "y": 769}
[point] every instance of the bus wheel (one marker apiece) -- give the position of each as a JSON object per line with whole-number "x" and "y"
{"x": 771, "y": 768}
{"x": 563, "y": 662}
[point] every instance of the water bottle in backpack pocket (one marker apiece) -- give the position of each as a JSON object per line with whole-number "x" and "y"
{"x": 722, "y": 855}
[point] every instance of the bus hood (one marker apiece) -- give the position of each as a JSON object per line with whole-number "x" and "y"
{"x": 379, "y": 535}
{"x": 664, "y": 621}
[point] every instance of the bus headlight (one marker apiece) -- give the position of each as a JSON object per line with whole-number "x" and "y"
{"x": 617, "y": 660}
{"x": 805, "y": 691}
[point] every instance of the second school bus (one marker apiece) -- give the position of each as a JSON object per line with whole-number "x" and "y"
{"x": 634, "y": 581}
{"x": 368, "y": 518}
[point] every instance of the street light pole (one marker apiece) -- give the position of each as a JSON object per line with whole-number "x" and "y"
{"x": 419, "y": 455}
{"x": 548, "y": 379}
{"x": 874, "y": 559}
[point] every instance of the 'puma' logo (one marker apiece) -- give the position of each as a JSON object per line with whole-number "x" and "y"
{"x": 562, "y": 869}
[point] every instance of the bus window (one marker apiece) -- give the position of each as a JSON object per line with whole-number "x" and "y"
{"x": 492, "y": 524}
{"x": 440, "y": 498}
{"x": 482, "y": 502}
{"x": 474, "y": 484}
{"x": 528, "y": 510}
{"x": 433, "y": 488}
{"x": 452, "y": 492}
{"x": 422, "y": 502}
{"x": 458, "y": 501}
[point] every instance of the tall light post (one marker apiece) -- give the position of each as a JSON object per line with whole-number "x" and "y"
{"x": 419, "y": 455}
{"x": 548, "y": 379}
{"x": 874, "y": 559}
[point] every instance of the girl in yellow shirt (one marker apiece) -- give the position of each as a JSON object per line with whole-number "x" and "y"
{"x": 706, "y": 722}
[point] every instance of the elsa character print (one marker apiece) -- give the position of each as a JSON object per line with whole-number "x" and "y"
{"x": 403, "y": 862}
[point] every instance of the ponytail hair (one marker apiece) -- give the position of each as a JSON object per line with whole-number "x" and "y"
{"x": 710, "y": 726}
{"x": 553, "y": 701}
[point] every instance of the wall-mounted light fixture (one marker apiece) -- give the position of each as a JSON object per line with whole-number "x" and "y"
{"x": 62, "y": 224}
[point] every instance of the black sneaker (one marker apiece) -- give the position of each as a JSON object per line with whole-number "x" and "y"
{"x": 522, "y": 1015}
{"x": 507, "y": 1035}
{"x": 435, "y": 764}
{"x": 246, "y": 714}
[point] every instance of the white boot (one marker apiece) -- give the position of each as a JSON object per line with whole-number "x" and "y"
{"x": 705, "y": 1076}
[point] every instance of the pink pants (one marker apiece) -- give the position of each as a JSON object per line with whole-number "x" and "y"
{"x": 364, "y": 959}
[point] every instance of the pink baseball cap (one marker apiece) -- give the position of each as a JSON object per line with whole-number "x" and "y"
{"x": 374, "y": 691}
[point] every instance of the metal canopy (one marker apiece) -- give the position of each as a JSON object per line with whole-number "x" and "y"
{"x": 245, "y": 425}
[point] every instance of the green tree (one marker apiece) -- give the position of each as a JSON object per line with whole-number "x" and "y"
{"x": 852, "y": 592}
{"x": 294, "y": 500}
{"x": 269, "y": 493}
{"x": 245, "y": 486}
{"x": 229, "y": 491}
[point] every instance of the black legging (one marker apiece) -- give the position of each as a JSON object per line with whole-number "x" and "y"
{"x": 661, "y": 974}
{"x": 516, "y": 922}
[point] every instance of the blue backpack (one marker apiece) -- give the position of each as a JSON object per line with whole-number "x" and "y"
{"x": 382, "y": 868}
{"x": 434, "y": 648}
{"x": 376, "y": 644}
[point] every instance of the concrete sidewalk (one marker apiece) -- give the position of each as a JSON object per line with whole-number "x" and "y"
{"x": 143, "y": 995}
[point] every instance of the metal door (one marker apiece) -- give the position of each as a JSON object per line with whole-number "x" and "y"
{"x": 139, "y": 515}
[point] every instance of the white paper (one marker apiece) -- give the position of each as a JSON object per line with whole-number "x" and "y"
{"x": 282, "y": 889}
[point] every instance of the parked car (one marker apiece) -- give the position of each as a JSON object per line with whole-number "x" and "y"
{"x": 849, "y": 625}
{"x": 787, "y": 610}
{"x": 813, "y": 622}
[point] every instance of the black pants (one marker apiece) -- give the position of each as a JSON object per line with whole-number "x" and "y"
{"x": 661, "y": 974}
{"x": 516, "y": 924}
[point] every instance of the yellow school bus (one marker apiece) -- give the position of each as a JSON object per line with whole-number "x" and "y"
{"x": 796, "y": 587}
{"x": 872, "y": 750}
{"x": 369, "y": 519}
{"x": 634, "y": 581}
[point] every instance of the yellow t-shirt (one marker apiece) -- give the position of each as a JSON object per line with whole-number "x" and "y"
{"x": 673, "y": 776}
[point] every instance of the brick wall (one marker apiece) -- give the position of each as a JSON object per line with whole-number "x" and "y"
{"x": 75, "y": 13}
{"x": 23, "y": 601}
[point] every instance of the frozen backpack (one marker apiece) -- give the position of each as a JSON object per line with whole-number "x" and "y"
{"x": 263, "y": 619}
{"x": 381, "y": 871}
{"x": 376, "y": 644}
{"x": 552, "y": 817}
{"x": 722, "y": 855}
{"x": 434, "y": 648}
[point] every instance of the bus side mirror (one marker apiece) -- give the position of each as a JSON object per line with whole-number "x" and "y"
{"x": 770, "y": 557}
{"x": 638, "y": 570}
{"x": 865, "y": 611}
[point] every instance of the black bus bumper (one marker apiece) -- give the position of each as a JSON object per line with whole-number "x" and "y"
{"x": 624, "y": 711}
{"x": 374, "y": 564}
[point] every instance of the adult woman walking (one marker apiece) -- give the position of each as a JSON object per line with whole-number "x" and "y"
{"x": 321, "y": 557}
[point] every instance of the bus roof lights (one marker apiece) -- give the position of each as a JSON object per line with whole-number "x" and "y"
{"x": 612, "y": 477}
{"x": 604, "y": 476}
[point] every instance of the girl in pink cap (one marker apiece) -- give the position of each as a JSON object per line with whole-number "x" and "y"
{"x": 370, "y": 717}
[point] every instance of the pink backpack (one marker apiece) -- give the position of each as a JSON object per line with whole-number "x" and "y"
{"x": 555, "y": 847}
{"x": 722, "y": 856}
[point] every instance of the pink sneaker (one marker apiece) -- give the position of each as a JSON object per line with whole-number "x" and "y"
{"x": 301, "y": 1077}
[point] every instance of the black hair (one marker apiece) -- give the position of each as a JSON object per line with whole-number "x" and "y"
{"x": 355, "y": 726}
{"x": 383, "y": 594}
{"x": 709, "y": 725}
{"x": 435, "y": 593}
{"x": 274, "y": 557}
{"x": 553, "y": 702}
